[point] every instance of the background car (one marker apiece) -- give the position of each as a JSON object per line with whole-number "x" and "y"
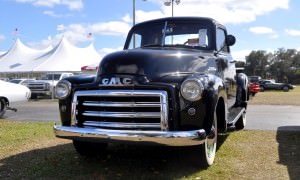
{"x": 21, "y": 81}
{"x": 254, "y": 86}
{"x": 272, "y": 85}
{"x": 10, "y": 94}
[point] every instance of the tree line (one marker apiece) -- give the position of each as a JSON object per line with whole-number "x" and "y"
{"x": 283, "y": 65}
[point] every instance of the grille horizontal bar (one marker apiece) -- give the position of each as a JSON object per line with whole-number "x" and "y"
{"x": 122, "y": 114}
{"x": 120, "y": 104}
{"x": 121, "y": 125}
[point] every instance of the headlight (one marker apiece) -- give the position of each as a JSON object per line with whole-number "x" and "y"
{"x": 191, "y": 89}
{"x": 63, "y": 89}
{"x": 47, "y": 86}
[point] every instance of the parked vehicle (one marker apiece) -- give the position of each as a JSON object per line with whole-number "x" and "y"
{"x": 272, "y": 85}
{"x": 179, "y": 87}
{"x": 10, "y": 94}
{"x": 254, "y": 86}
{"x": 46, "y": 85}
{"x": 24, "y": 82}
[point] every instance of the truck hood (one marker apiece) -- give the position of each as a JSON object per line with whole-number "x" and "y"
{"x": 157, "y": 64}
{"x": 50, "y": 82}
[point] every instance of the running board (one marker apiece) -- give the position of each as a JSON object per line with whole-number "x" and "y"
{"x": 243, "y": 110}
{"x": 11, "y": 109}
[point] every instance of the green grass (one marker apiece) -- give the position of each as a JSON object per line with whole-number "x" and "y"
{"x": 30, "y": 151}
{"x": 277, "y": 97}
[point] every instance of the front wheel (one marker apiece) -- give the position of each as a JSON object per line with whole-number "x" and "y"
{"x": 33, "y": 96}
{"x": 285, "y": 89}
{"x": 89, "y": 148}
{"x": 262, "y": 89}
{"x": 3, "y": 105}
{"x": 209, "y": 148}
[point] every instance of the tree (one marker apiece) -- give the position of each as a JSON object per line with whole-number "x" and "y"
{"x": 282, "y": 63}
{"x": 256, "y": 63}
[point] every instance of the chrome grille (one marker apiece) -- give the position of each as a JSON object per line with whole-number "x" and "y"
{"x": 37, "y": 86}
{"x": 121, "y": 109}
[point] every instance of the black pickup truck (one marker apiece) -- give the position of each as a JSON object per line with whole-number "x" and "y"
{"x": 175, "y": 84}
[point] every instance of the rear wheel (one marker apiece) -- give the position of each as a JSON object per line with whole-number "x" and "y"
{"x": 89, "y": 148}
{"x": 262, "y": 89}
{"x": 208, "y": 149}
{"x": 3, "y": 105}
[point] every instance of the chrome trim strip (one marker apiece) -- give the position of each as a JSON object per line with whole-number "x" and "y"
{"x": 122, "y": 114}
{"x": 122, "y": 125}
{"x": 119, "y": 93}
{"x": 164, "y": 111}
{"x": 170, "y": 138}
{"x": 73, "y": 111}
{"x": 126, "y": 93}
{"x": 120, "y": 104}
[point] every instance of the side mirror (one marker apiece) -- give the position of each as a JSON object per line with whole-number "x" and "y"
{"x": 230, "y": 40}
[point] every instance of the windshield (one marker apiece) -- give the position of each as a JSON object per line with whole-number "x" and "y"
{"x": 16, "y": 81}
{"x": 172, "y": 34}
{"x": 51, "y": 77}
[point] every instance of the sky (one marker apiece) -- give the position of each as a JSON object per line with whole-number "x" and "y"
{"x": 256, "y": 24}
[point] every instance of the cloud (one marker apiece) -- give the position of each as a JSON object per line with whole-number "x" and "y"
{"x": 265, "y": 31}
{"x": 225, "y": 11}
{"x": 113, "y": 28}
{"x": 77, "y": 33}
{"x": 144, "y": 16}
{"x": 261, "y": 30}
{"x": 55, "y": 15}
{"x": 71, "y": 4}
{"x": 2, "y": 37}
{"x": 292, "y": 32}
{"x": 241, "y": 55}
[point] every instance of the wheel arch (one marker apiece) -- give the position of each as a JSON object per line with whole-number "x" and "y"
{"x": 242, "y": 82}
{"x": 6, "y": 100}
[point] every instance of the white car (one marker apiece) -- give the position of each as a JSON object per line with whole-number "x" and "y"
{"x": 11, "y": 94}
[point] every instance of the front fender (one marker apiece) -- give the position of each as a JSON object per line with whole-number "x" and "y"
{"x": 242, "y": 90}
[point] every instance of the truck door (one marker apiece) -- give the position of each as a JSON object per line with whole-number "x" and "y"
{"x": 229, "y": 71}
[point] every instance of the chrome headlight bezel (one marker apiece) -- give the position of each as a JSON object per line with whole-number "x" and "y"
{"x": 189, "y": 85}
{"x": 63, "y": 89}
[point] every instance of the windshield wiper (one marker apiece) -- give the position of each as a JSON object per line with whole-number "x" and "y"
{"x": 182, "y": 46}
{"x": 152, "y": 45}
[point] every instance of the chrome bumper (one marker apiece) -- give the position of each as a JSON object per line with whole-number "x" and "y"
{"x": 170, "y": 138}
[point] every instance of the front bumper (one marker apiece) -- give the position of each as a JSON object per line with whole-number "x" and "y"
{"x": 45, "y": 92}
{"x": 169, "y": 138}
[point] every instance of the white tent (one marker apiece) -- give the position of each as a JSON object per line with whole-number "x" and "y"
{"x": 69, "y": 58}
{"x": 18, "y": 55}
{"x": 63, "y": 57}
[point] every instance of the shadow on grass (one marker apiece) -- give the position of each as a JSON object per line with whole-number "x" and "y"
{"x": 121, "y": 162}
{"x": 288, "y": 138}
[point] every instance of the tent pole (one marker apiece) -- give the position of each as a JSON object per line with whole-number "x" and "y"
{"x": 52, "y": 89}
